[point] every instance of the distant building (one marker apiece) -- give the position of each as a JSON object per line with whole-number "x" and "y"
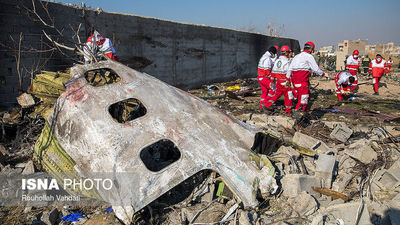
{"x": 327, "y": 50}
{"x": 385, "y": 49}
{"x": 345, "y": 49}
{"x": 396, "y": 51}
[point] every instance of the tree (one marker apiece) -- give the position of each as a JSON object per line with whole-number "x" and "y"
{"x": 275, "y": 30}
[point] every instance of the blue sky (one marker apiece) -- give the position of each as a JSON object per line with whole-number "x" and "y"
{"x": 326, "y": 22}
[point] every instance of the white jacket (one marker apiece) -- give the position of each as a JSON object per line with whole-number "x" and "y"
{"x": 274, "y": 59}
{"x": 352, "y": 63}
{"x": 266, "y": 61}
{"x": 281, "y": 65}
{"x": 303, "y": 62}
{"x": 344, "y": 78}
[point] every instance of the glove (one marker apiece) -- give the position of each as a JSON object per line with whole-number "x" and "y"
{"x": 287, "y": 84}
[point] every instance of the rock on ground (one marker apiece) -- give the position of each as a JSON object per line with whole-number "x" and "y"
{"x": 103, "y": 220}
{"x": 29, "y": 168}
{"x": 324, "y": 169}
{"x": 346, "y": 213}
{"x": 26, "y": 100}
{"x": 51, "y": 217}
{"x": 304, "y": 204}
{"x": 341, "y": 133}
{"x": 247, "y": 218}
{"x": 294, "y": 184}
{"x": 365, "y": 154}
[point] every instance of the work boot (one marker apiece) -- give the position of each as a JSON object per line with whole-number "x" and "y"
{"x": 376, "y": 93}
{"x": 297, "y": 115}
{"x": 267, "y": 110}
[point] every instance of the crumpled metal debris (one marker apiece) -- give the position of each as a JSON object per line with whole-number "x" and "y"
{"x": 94, "y": 141}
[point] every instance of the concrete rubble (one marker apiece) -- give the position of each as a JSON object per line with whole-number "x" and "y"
{"x": 390, "y": 178}
{"x": 275, "y": 123}
{"x": 294, "y": 184}
{"x": 340, "y": 184}
{"x": 261, "y": 168}
{"x": 26, "y": 100}
{"x": 364, "y": 154}
{"x": 325, "y": 166}
{"x": 341, "y": 133}
{"x": 342, "y": 214}
{"x": 304, "y": 204}
{"x": 51, "y": 218}
{"x": 286, "y": 153}
{"x": 311, "y": 143}
{"x": 246, "y": 218}
{"x": 29, "y": 168}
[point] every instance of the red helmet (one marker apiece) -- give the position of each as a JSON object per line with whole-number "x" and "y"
{"x": 285, "y": 48}
{"x": 277, "y": 48}
{"x": 310, "y": 44}
{"x": 356, "y": 52}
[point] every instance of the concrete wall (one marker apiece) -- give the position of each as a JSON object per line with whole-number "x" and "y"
{"x": 183, "y": 55}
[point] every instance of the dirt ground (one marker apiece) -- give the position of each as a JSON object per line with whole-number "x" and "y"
{"x": 388, "y": 88}
{"x": 322, "y": 97}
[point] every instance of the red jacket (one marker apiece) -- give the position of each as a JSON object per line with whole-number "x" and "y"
{"x": 378, "y": 69}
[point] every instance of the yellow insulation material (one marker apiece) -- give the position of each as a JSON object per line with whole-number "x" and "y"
{"x": 57, "y": 162}
{"x": 47, "y": 86}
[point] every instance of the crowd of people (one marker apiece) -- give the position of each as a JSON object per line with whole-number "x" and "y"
{"x": 289, "y": 75}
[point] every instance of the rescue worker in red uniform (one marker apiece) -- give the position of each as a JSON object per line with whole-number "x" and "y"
{"x": 96, "y": 46}
{"x": 343, "y": 81}
{"x": 264, "y": 75}
{"x": 278, "y": 73}
{"x": 299, "y": 72}
{"x": 377, "y": 68}
{"x": 352, "y": 65}
{"x": 390, "y": 63}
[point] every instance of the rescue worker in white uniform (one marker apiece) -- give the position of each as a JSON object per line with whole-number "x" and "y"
{"x": 278, "y": 73}
{"x": 264, "y": 75}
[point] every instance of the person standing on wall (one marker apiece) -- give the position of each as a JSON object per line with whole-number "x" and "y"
{"x": 377, "y": 68}
{"x": 353, "y": 65}
{"x": 299, "y": 72}
{"x": 264, "y": 75}
{"x": 343, "y": 81}
{"x": 278, "y": 73}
